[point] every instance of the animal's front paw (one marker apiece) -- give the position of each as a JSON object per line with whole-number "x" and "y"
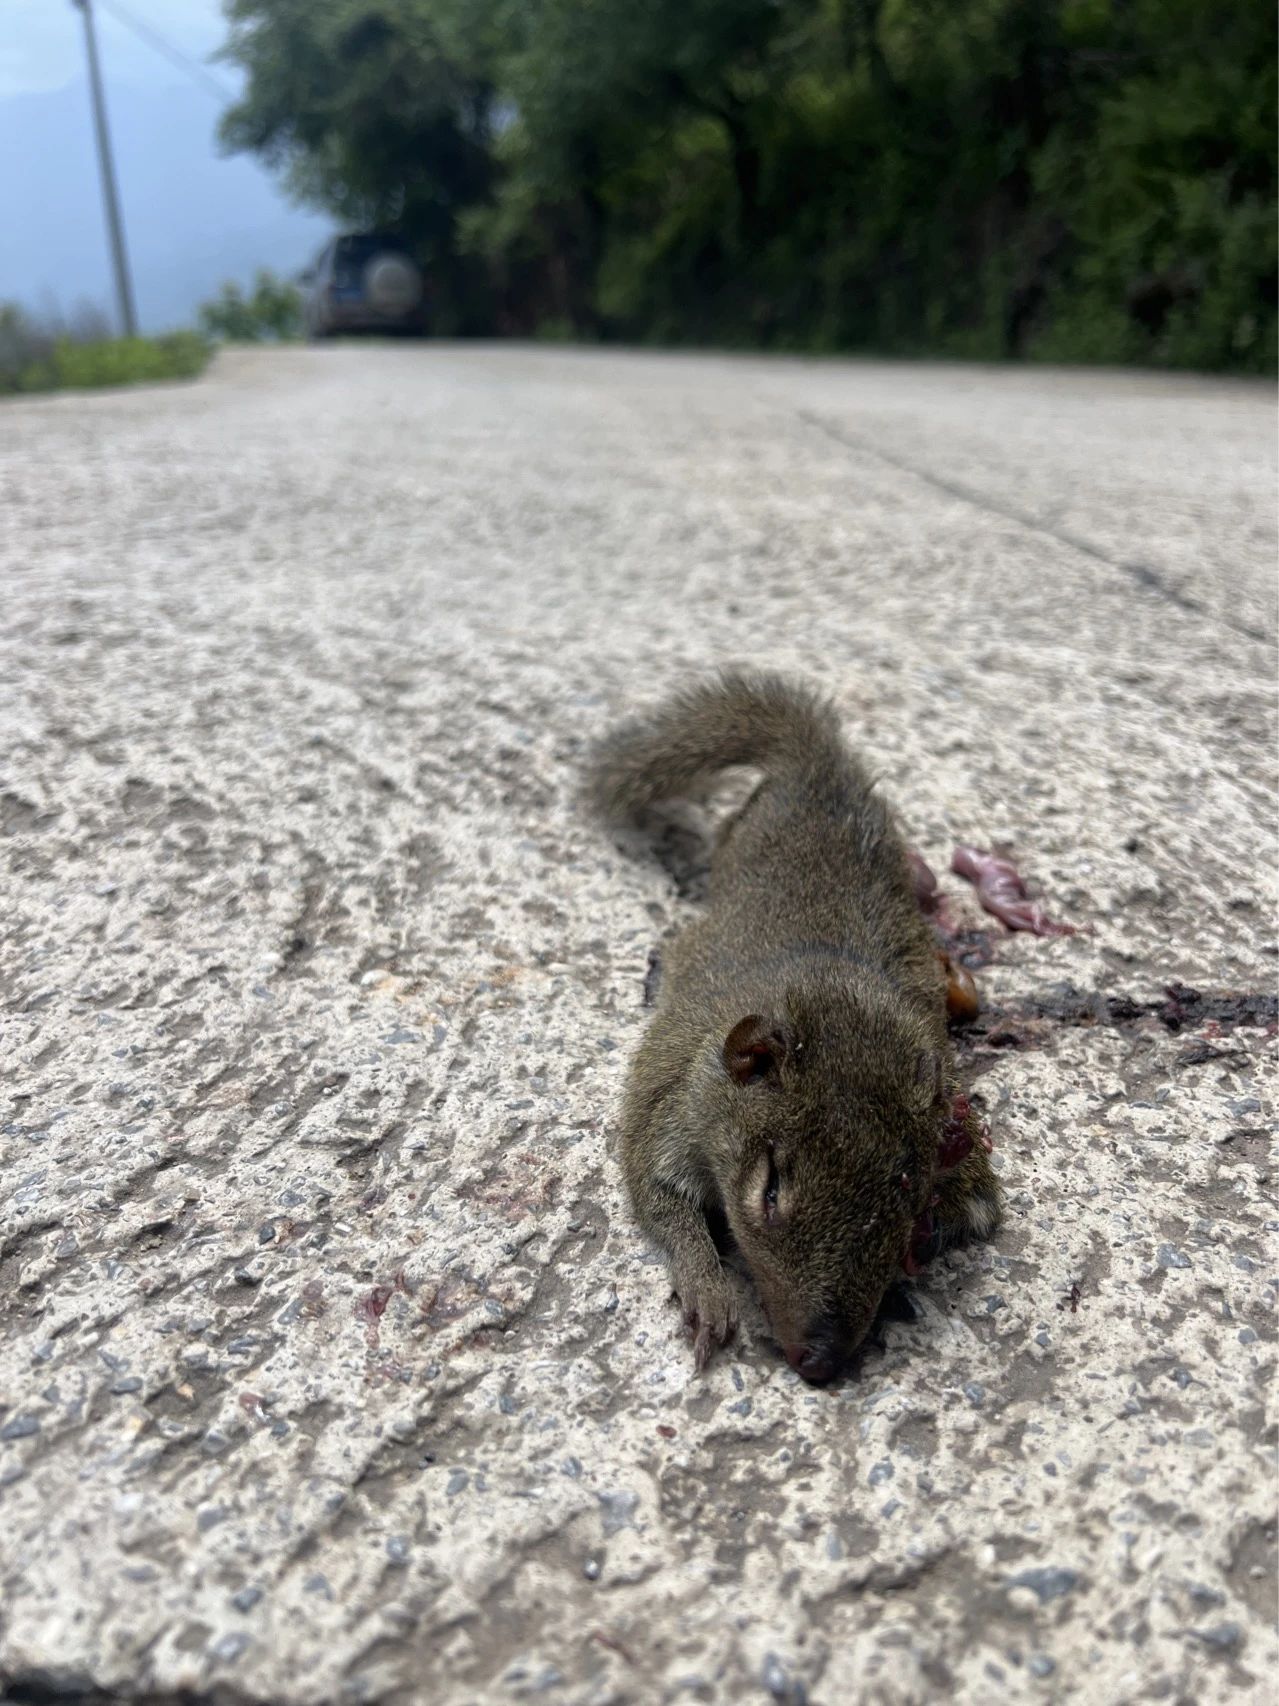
{"x": 970, "y": 1207}
{"x": 709, "y": 1315}
{"x": 966, "y": 1202}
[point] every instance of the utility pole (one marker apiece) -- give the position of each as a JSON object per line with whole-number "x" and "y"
{"x": 111, "y": 201}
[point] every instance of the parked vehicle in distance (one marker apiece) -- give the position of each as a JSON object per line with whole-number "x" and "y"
{"x": 363, "y": 282}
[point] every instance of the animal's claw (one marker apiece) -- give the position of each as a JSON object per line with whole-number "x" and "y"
{"x": 711, "y": 1320}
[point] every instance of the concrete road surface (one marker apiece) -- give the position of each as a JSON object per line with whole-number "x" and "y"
{"x": 332, "y": 1368}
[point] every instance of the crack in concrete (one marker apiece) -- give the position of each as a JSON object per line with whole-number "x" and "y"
{"x": 1142, "y": 574}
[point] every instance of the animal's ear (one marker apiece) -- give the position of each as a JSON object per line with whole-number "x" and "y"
{"x": 929, "y": 1075}
{"x": 754, "y": 1050}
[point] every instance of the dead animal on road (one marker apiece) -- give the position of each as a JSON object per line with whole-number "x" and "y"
{"x": 796, "y": 1080}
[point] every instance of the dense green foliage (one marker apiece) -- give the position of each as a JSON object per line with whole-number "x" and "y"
{"x": 1058, "y": 179}
{"x": 270, "y": 313}
{"x": 35, "y": 357}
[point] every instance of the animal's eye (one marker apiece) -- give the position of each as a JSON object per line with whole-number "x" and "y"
{"x": 772, "y": 1187}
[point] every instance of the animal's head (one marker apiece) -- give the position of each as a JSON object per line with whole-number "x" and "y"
{"x": 834, "y": 1123}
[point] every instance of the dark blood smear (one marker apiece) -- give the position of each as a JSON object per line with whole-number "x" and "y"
{"x": 372, "y": 1307}
{"x": 919, "y": 1245}
{"x": 956, "y": 1139}
{"x": 960, "y": 1134}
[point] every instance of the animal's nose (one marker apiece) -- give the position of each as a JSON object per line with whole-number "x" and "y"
{"x": 815, "y": 1364}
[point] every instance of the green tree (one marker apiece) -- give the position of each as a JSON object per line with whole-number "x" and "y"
{"x": 1170, "y": 207}
{"x": 379, "y": 112}
{"x": 1063, "y": 179}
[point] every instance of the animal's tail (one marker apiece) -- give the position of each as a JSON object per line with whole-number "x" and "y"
{"x": 734, "y": 718}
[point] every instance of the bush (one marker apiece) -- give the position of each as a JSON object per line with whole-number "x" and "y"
{"x": 128, "y": 361}
{"x": 271, "y": 313}
{"x": 57, "y": 355}
{"x": 1067, "y": 180}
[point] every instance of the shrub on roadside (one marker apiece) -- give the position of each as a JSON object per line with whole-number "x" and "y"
{"x": 128, "y": 361}
{"x": 270, "y": 313}
{"x": 53, "y": 356}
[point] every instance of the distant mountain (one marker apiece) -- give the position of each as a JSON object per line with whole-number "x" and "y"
{"x": 192, "y": 217}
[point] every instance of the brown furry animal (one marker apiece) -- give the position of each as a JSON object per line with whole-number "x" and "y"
{"x": 797, "y": 1074}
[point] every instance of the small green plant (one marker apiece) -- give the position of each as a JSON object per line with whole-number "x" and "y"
{"x": 270, "y": 313}
{"x": 55, "y": 355}
{"x": 128, "y": 361}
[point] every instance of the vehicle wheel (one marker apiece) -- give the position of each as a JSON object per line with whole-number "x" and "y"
{"x": 393, "y": 285}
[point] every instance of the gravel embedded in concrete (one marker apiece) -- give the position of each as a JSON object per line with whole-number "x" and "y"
{"x": 331, "y": 1365}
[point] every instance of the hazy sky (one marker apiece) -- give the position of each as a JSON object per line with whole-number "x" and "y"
{"x": 42, "y": 41}
{"x": 193, "y": 217}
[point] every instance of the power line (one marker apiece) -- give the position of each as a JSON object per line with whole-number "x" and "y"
{"x": 145, "y": 32}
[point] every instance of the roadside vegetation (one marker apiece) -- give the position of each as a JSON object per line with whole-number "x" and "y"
{"x": 271, "y": 312}
{"x": 1064, "y": 180}
{"x": 50, "y": 354}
